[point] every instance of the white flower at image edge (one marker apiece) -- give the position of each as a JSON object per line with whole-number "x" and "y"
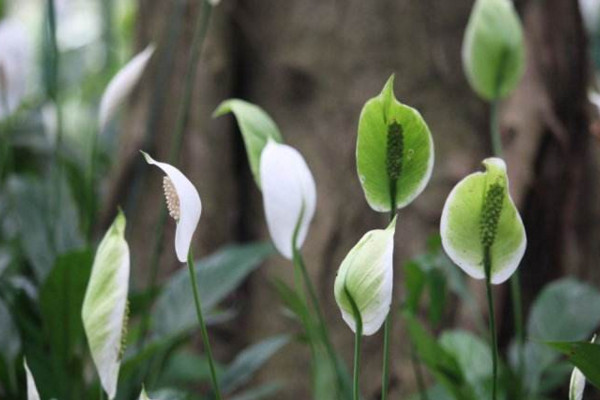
{"x": 577, "y": 383}
{"x": 32, "y": 392}
{"x": 15, "y": 57}
{"x": 184, "y": 205}
{"x": 289, "y": 192}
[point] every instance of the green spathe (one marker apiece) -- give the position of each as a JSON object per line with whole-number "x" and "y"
{"x": 394, "y": 151}
{"x": 480, "y": 214}
{"x": 367, "y": 275}
{"x": 104, "y": 306}
{"x": 256, "y": 127}
{"x": 493, "y": 51}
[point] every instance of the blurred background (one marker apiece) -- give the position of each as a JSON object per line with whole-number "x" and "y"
{"x": 311, "y": 65}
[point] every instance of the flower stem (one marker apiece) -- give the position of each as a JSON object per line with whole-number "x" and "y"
{"x": 324, "y": 332}
{"x": 515, "y": 280}
{"x": 357, "y": 344}
{"x": 176, "y": 144}
{"x": 385, "y": 376}
{"x": 487, "y": 264}
{"x": 205, "y": 340}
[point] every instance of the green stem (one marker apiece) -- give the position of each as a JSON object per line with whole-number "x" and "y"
{"x": 207, "y": 348}
{"x": 357, "y": 344}
{"x": 201, "y": 29}
{"x": 385, "y": 377}
{"x": 324, "y": 332}
{"x": 515, "y": 280}
{"x": 487, "y": 263}
{"x": 92, "y": 186}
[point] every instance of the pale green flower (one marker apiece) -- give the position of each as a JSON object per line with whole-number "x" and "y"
{"x": 479, "y": 216}
{"x": 367, "y": 275}
{"x": 104, "y": 310}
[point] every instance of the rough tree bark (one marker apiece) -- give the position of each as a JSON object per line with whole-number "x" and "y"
{"x": 312, "y": 64}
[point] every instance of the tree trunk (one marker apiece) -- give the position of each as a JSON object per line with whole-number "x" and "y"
{"x": 312, "y": 64}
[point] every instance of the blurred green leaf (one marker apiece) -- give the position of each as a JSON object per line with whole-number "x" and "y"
{"x": 243, "y": 367}
{"x": 472, "y": 354}
{"x": 61, "y": 298}
{"x": 414, "y": 279}
{"x": 437, "y": 295}
{"x": 218, "y": 276}
{"x": 185, "y": 367}
{"x": 583, "y": 355}
{"x": 256, "y": 126}
{"x": 44, "y": 234}
{"x": 579, "y": 315}
{"x": 10, "y": 341}
{"x": 441, "y": 363}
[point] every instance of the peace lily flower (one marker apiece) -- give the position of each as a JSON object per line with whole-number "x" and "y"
{"x": 479, "y": 219}
{"x": 289, "y": 196}
{"x": 367, "y": 275}
{"x": 577, "y": 383}
{"x": 122, "y": 85}
{"x": 183, "y": 203}
{"x": 105, "y": 310}
{"x": 15, "y": 55}
{"x": 493, "y": 52}
{"x": 394, "y": 152}
{"x": 32, "y": 392}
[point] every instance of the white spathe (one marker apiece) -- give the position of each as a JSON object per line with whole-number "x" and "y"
{"x": 32, "y": 392}
{"x": 121, "y": 86}
{"x": 104, "y": 311}
{"x": 289, "y": 192}
{"x": 15, "y": 57}
{"x": 144, "y": 395}
{"x": 190, "y": 207}
{"x": 367, "y": 275}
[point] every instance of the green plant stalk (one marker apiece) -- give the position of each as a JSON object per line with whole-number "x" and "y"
{"x": 357, "y": 345}
{"x": 92, "y": 205}
{"x": 53, "y": 93}
{"x": 515, "y": 280}
{"x": 487, "y": 264}
{"x": 298, "y": 261}
{"x": 205, "y": 340}
{"x": 387, "y": 327}
{"x": 200, "y": 31}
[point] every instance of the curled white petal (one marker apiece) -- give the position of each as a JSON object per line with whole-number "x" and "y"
{"x": 576, "y": 385}
{"x": 190, "y": 207}
{"x": 288, "y": 191}
{"x": 104, "y": 310}
{"x": 144, "y": 395}
{"x": 32, "y": 392}
{"x": 121, "y": 86}
{"x": 15, "y": 57}
{"x": 367, "y": 274}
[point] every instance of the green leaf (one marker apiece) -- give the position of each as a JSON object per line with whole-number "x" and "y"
{"x": 441, "y": 363}
{"x": 256, "y": 127}
{"x": 42, "y": 235}
{"x": 394, "y": 151}
{"x": 61, "y": 299}
{"x": 218, "y": 276}
{"x": 579, "y": 315}
{"x": 414, "y": 279}
{"x": 493, "y": 50}
{"x": 246, "y": 363}
{"x": 583, "y": 355}
{"x": 10, "y": 341}
{"x": 472, "y": 354}
{"x": 479, "y": 216}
